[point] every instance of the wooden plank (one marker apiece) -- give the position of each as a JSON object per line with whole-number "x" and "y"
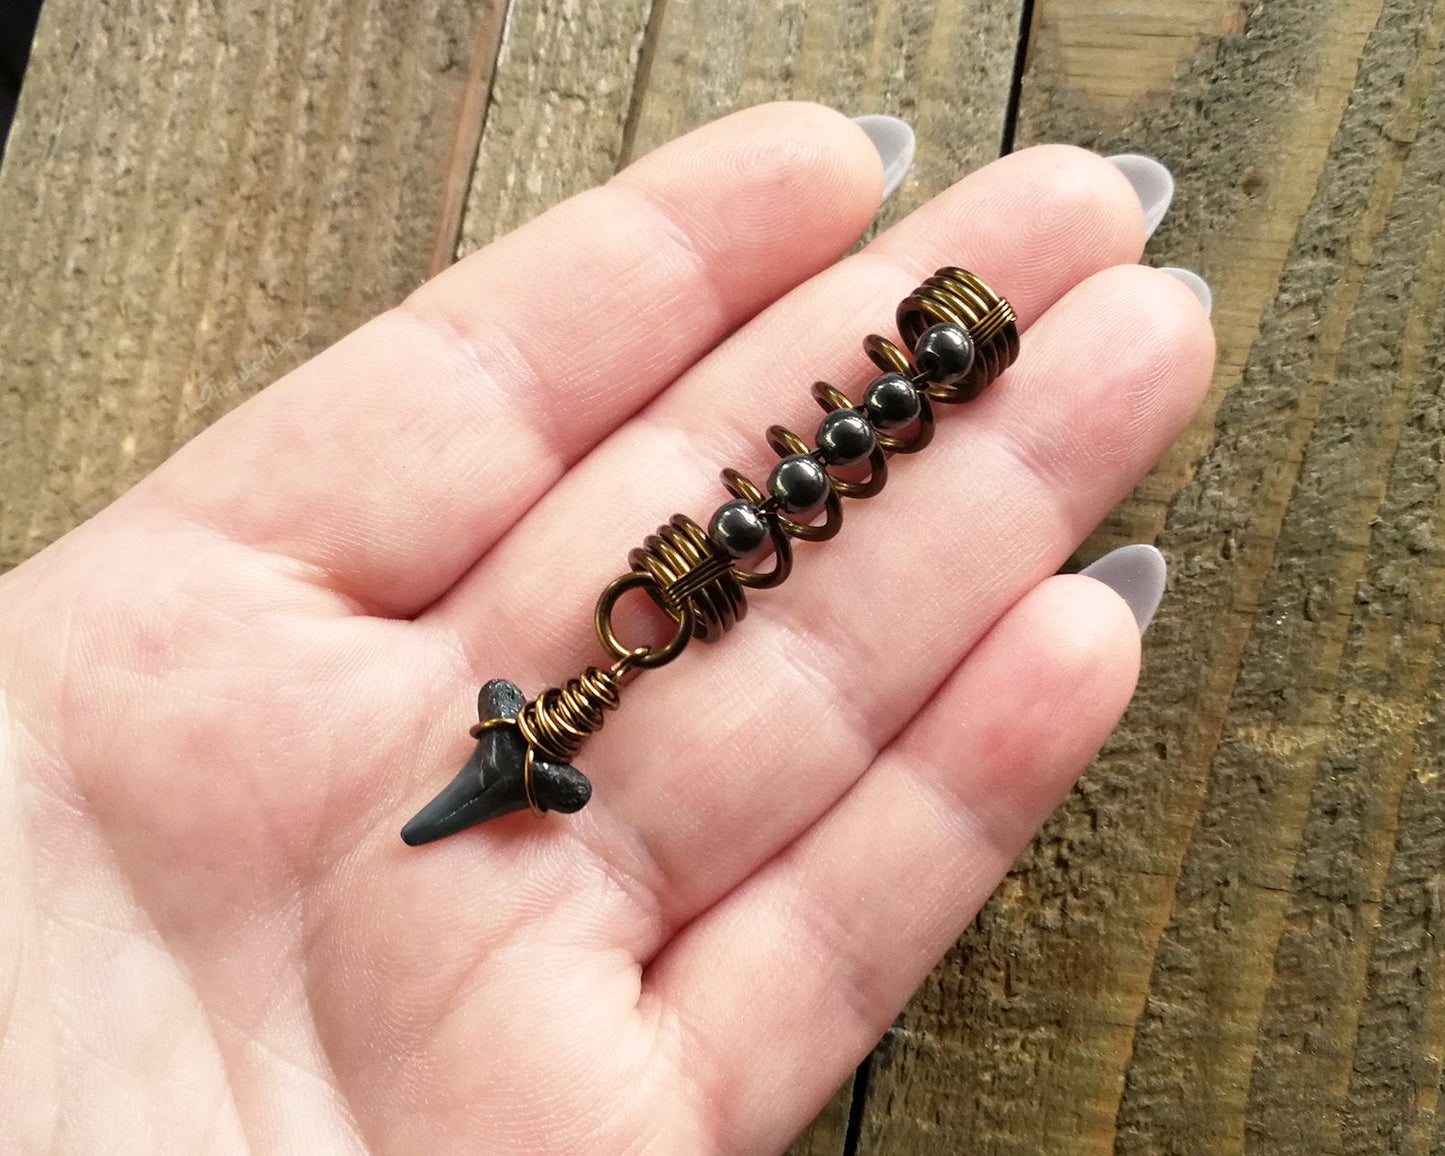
{"x": 557, "y": 118}
{"x": 565, "y": 109}
{"x": 1226, "y": 941}
{"x": 198, "y": 197}
{"x": 943, "y": 65}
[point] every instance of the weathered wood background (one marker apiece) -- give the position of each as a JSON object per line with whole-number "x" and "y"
{"x": 1228, "y": 940}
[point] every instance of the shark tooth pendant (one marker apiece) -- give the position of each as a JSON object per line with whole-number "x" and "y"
{"x": 503, "y": 775}
{"x": 963, "y": 336}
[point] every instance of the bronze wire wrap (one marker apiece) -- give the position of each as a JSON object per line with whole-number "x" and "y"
{"x": 700, "y": 589}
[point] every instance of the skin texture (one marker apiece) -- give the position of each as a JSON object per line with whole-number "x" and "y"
{"x": 223, "y": 694}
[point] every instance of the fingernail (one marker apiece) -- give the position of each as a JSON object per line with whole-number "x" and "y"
{"x": 1153, "y": 185}
{"x": 894, "y": 140}
{"x": 1136, "y": 574}
{"x": 1193, "y": 282}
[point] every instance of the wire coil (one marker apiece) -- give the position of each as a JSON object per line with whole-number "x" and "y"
{"x": 955, "y": 296}
{"x": 558, "y": 720}
{"x": 686, "y": 569}
{"x": 951, "y": 296}
{"x": 702, "y": 590}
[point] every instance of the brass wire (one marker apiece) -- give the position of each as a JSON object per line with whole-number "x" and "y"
{"x": 558, "y": 720}
{"x": 681, "y": 558}
{"x": 955, "y": 295}
{"x": 702, "y": 590}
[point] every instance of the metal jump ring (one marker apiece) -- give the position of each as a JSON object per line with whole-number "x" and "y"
{"x": 644, "y": 657}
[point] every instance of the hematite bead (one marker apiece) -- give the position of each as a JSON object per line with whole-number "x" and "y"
{"x": 892, "y": 401}
{"x": 799, "y": 483}
{"x": 738, "y": 529}
{"x": 944, "y": 353}
{"x": 845, "y": 437}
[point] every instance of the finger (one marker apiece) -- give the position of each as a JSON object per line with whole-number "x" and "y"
{"x": 793, "y": 977}
{"x": 394, "y": 459}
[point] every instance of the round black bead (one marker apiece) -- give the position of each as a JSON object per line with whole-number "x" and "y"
{"x": 799, "y": 483}
{"x": 738, "y": 529}
{"x": 845, "y": 437}
{"x": 944, "y": 353}
{"x": 891, "y": 401}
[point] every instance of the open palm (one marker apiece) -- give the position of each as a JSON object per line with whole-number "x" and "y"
{"x": 224, "y": 694}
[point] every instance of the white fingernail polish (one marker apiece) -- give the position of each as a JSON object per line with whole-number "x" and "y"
{"x": 894, "y": 140}
{"x": 1193, "y": 282}
{"x": 1153, "y": 185}
{"x": 1136, "y": 574}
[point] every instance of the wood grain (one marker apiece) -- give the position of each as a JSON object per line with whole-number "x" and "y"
{"x": 1225, "y": 941}
{"x": 558, "y": 114}
{"x": 197, "y": 198}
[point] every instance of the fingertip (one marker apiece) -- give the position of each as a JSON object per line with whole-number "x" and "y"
{"x": 1153, "y": 347}
{"x": 1067, "y": 654}
{"x": 1177, "y": 317}
{"x": 1111, "y": 374}
{"x": 895, "y": 141}
{"x": 1153, "y": 184}
{"x": 1077, "y": 181}
{"x": 796, "y": 168}
{"x": 1196, "y": 284}
{"x": 1159, "y": 318}
{"x": 1036, "y": 222}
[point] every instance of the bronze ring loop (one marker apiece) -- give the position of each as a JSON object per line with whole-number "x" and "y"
{"x": 646, "y": 658}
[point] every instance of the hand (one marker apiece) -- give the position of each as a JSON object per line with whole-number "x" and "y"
{"x": 224, "y": 694}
